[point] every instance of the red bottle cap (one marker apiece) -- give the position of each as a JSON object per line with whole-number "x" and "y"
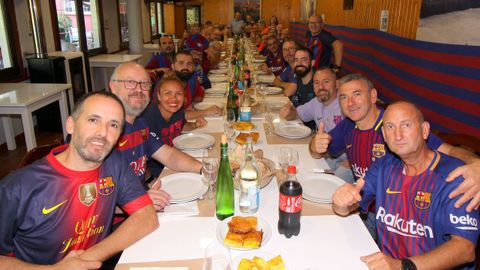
{"x": 292, "y": 169}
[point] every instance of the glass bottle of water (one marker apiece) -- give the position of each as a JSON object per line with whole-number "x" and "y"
{"x": 249, "y": 182}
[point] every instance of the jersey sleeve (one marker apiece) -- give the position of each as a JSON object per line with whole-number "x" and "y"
{"x": 338, "y": 133}
{"x": 131, "y": 193}
{"x": 372, "y": 176}
{"x": 305, "y": 112}
{"x": 458, "y": 221}
{"x": 433, "y": 141}
{"x": 328, "y": 38}
{"x": 10, "y": 200}
{"x": 153, "y": 142}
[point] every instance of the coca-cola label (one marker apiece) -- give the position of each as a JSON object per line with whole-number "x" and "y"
{"x": 290, "y": 204}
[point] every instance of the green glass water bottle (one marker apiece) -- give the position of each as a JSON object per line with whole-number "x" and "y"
{"x": 224, "y": 193}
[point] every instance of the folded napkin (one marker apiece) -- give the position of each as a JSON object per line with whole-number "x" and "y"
{"x": 182, "y": 209}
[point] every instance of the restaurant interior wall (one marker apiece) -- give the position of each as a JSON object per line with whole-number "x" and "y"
{"x": 403, "y": 15}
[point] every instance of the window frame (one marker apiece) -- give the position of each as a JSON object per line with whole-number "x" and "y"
{"x": 17, "y": 72}
{"x": 197, "y": 7}
{"x": 123, "y": 45}
{"x": 159, "y": 21}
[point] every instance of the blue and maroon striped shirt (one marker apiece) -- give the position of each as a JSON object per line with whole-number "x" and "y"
{"x": 413, "y": 213}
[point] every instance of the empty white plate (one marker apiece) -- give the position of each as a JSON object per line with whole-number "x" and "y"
{"x": 292, "y": 131}
{"x": 192, "y": 141}
{"x": 319, "y": 187}
{"x": 273, "y": 90}
{"x": 184, "y": 187}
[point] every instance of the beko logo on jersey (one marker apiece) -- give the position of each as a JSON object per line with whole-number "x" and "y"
{"x": 469, "y": 222}
{"x": 398, "y": 225}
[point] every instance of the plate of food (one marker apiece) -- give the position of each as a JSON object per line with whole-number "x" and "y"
{"x": 243, "y": 126}
{"x": 258, "y": 260}
{"x": 242, "y": 137}
{"x": 243, "y": 232}
{"x": 266, "y": 168}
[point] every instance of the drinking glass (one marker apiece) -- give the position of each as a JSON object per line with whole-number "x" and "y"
{"x": 263, "y": 89}
{"x": 217, "y": 257}
{"x": 269, "y": 117}
{"x": 209, "y": 172}
{"x": 287, "y": 156}
{"x": 229, "y": 132}
{"x": 230, "y": 117}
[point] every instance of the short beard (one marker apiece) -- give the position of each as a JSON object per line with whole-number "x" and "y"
{"x": 184, "y": 76}
{"x": 92, "y": 157}
{"x": 301, "y": 74}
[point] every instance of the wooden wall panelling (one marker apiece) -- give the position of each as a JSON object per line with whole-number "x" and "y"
{"x": 403, "y": 15}
{"x": 218, "y": 11}
{"x": 180, "y": 20}
{"x": 169, "y": 18}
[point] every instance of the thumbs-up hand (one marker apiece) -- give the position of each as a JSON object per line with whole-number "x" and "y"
{"x": 320, "y": 141}
{"x": 348, "y": 194}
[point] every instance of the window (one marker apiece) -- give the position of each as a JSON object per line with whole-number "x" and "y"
{"x": 155, "y": 9}
{"x": 122, "y": 20}
{"x": 193, "y": 15}
{"x": 68, "y": 24}
{"x": 11, "y": 66}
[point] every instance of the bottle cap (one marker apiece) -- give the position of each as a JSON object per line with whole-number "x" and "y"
{"x": 292, "y": 169}
{"x": 224, "y": 139}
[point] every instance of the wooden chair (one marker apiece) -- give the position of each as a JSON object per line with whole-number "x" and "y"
{"x": 37, "y": 153}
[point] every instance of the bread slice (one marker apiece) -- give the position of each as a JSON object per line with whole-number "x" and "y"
{"x": 242, "y": 225}
{"x": 234, "y": 239}
{"x": 242, "y": 137}
{"x": 276, "y": 263}
{"x": 252, "y": 239}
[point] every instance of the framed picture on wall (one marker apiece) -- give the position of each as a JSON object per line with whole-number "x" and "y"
{"x": 307, "y": 8}
{"x": 245, "y": 7}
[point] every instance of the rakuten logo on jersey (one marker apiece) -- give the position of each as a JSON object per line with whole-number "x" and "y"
{"x": 358, "y": 171}
{"x": 398, "y": 225}
{"x": 469, "y": 222}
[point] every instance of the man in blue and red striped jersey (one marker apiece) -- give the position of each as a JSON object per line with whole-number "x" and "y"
{"x": 418, "y": 225}
{"x": 138, "y": 142}
{"x": 162, "y": 61}
{"x": 359, "y": 135}
{"x": 59, "y": 209}
{"x": 323, "y": 45}
{"x": 274, "y": 62}
{"x": 289, "y": 47}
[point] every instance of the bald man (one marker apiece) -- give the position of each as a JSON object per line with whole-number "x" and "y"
{"x": 322, "y": 43}
{"x": 418, "y": 225}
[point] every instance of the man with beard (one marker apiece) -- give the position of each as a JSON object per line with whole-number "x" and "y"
{"x": 417, "y": 223}
{"x": 59, "y": 209}
{"x": 274, "y": 62}
{"x": 323, "y": 43}
{"x": 301, "y": 92}
{"x": 325, "y": 111}
{"x": 202, "y": 66}
{"x": 162, "y": 61}
{"x": 289, "y": 48}
{"x": 138, "y": 143}
{"x": 183, "y": 66}
{"x": 167, "y": 117}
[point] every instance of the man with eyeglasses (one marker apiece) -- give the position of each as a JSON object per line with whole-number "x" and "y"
{"x": 289, "y": 48}
{"x": 274, "y": 62}
{"x": 322, "y": 43}
{"x": 131, "y": 83}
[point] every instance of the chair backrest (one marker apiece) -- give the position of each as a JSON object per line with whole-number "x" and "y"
{"x": 37, "y": 153}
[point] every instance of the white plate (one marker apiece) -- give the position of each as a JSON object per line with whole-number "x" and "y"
{"x": 192, "y": 141}
{"x": 219, "y": 71}
{"x": 222, "y": 229}
{"x": 266, "y": 78}
{"x": 255, "y": 60}
{"x": 184, "y": 187}
{"x": 273, "y": 90}
{"x": 215, "y": 91}
{"x": 276, "y": 106}
{"x": 319, "y": 187}
{"x": 206, "y": 104}
{"x": 292, "y": 131}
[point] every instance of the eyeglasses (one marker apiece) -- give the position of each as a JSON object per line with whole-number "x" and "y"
{"x": 131, "y": 84}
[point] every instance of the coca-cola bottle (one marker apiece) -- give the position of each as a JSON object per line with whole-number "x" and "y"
{"x": 290, "y": 204}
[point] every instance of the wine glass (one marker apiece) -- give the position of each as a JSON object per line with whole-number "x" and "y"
{"x": 263, "y": 89}
{"x": 209, "y": 171}
{"x": 229, "y": 131}
{"x": 217, "y": 257}
{"x": 287, "y": 156}
{"x": 269, "y": 117}
{"x": 230, "y": 117}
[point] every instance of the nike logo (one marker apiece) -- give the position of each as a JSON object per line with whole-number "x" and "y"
{"x": 348, "y": 146}
{"x": 121, "y": 144}
{"x": 47, "y": 211}
{"x": 393, "y": 192}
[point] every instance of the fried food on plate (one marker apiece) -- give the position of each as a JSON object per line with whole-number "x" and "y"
{"x": 242, "y": 137}
{"x": 258, "y": 263}
{"x": 242, "y": 224}
{"x": 243, "y": 126}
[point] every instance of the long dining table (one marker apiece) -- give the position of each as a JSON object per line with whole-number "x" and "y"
{"x": 326, "y": 241}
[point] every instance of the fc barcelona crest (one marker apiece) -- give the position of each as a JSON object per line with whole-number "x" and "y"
{"x": 87, "y": 193}
{"x": 378, "y": 150}
{"x": 106, "y": 186}
{"x": 422, "y": 200}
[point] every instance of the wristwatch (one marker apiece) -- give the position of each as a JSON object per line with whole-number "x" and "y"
{"x": 407, "y": 264}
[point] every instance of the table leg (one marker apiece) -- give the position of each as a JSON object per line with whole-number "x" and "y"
{"x": 28, "y": 129}
{"x": 62, "y": 102}
{"x": 9, "y": 132}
